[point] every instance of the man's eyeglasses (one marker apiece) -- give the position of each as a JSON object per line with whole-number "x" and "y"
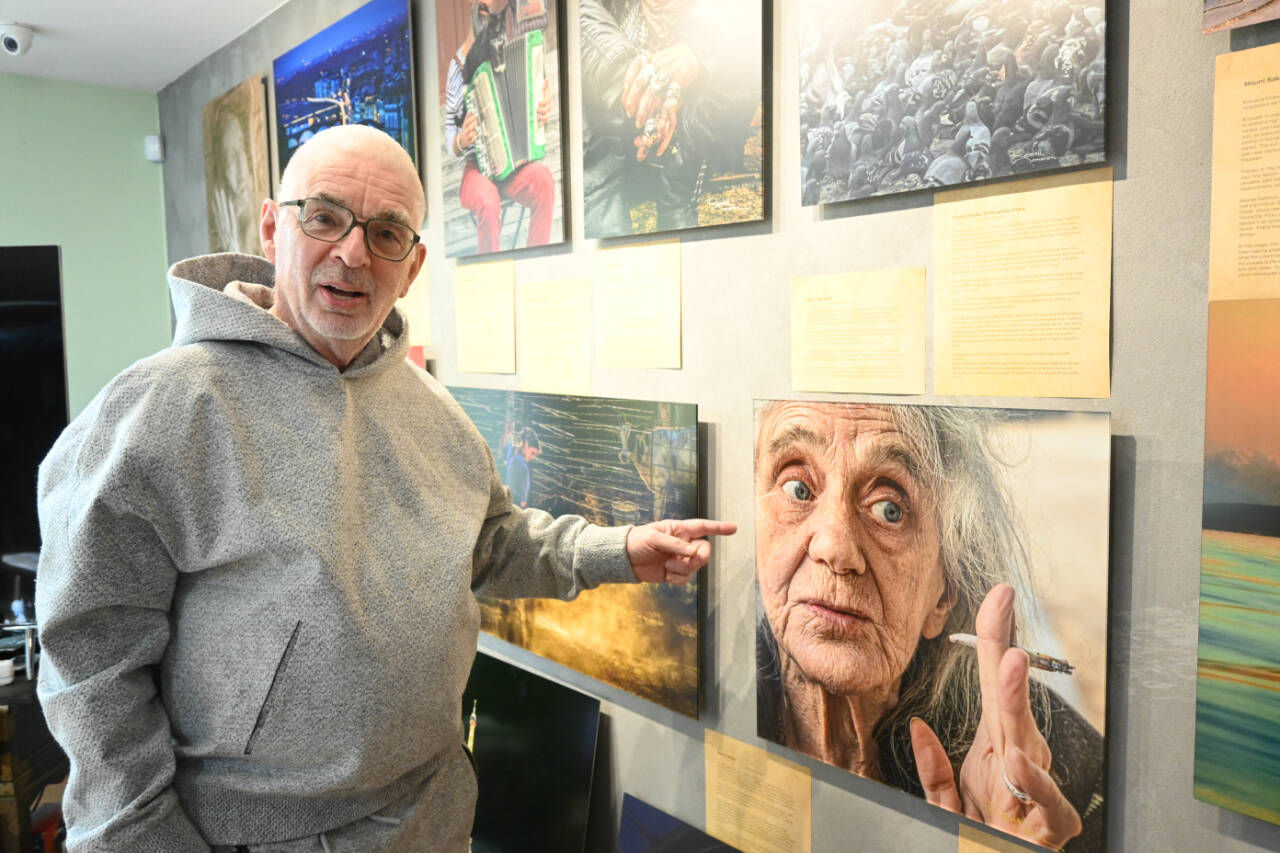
{"x": 331, "y": 222}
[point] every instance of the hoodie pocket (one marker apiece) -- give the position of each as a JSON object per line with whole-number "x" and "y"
{"x": 264, "y": 713}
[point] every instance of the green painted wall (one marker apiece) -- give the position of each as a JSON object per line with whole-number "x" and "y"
{"x": 74, "y": 176}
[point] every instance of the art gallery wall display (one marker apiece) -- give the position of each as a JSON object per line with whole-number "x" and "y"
{"x": 500, "y": 103}
{"x": 900, "y": 95}
{"x": 674, "y": 130}
{"x": 534, "y": 745}
{"x": 645, "y": 829}
{"x": 1237, "y": 764}
{"x": 898, "y": 548}
{"x": 237, "y": 174}
{"x": 1229, "y": 14}
{"x": 356, "y": 71}
{"x": 614, "y": 462}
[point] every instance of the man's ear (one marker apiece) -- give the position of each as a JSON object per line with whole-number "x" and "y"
{"x": 419, "y": 257}
{"x": 936, "y": 620}
{"x": 267, "y": 229}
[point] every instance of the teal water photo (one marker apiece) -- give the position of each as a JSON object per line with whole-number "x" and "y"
{"x": 1237, "y": 755}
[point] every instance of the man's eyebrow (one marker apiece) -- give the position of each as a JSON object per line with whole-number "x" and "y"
{"x": 389, "y": 214}
{"x": 395, "y": 216}
{"x": 331, "y": 199}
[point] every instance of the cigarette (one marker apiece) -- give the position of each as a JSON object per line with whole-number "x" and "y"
{"x": 1048, "y": 663}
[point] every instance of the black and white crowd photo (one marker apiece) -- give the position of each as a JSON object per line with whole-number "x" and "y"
{"x": 902, "y": 95}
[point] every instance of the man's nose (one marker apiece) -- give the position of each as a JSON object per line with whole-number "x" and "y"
{"x": 351, "y": 249}
{"x": 835, "y": 532}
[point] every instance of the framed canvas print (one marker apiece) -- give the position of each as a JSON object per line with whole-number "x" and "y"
{"x": 236, "y": 170}
{"x": 613, "y": 462}
{"x": 931, "y": 604}
{"x": 646, "y": 829}
{"x": 902, "y": 95}
{"x": 1229, "y": 14}
{"x": 358, "y": 70}
{"x": 674, "y": 133}
{"x": 500, "y": 102}
{"x": 1237, "y": 763}
{"x": 534, "y": 746}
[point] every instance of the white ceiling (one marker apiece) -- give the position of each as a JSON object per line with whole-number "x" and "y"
{"x": 130, "y": 44}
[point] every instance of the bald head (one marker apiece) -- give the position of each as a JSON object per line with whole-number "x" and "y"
{"x": 337, "y": 293}
{"x": 356, "y": 147}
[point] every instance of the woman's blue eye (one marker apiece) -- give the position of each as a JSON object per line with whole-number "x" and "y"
{"x": 887, "y": 510}
{"x": 797, "y": 490}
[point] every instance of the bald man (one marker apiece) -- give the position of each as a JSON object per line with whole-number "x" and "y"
{"x": 262, "y": 547}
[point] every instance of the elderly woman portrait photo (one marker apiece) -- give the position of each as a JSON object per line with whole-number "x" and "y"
{"x": 235, "y": 166}
{"x": 882, "y": 532}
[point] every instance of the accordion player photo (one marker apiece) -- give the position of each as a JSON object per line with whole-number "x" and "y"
{"x": 499, "y": 63}
{"x": 505, "y": 102}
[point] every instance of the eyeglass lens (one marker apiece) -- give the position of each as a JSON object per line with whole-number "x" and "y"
{"x": 330, "y": 222}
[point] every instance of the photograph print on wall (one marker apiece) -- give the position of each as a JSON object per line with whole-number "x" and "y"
{"x": 1237, "y": 762}
{"x": 902, "y": 95}
{"x": 236, "y": 170}
{"x": 1229, "y": 14}
{"x": 613, "y": 462}
{"x": 674, "y": 131}
{"x": 899, "y": 551}
{"x": 498, "y": 65}
{"x": 356, "y": 71}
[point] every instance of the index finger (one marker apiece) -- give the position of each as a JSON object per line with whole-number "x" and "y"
{"x": 994, "y": 626}
{"x": 698, "y": 528}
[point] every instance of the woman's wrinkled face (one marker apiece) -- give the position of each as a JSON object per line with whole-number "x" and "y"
{"x": 847, "y": 546}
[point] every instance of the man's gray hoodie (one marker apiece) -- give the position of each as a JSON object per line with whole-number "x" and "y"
{"x": 256, "y": 584}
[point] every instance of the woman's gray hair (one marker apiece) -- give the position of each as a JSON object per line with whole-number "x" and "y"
{"x": 981, "y": 545}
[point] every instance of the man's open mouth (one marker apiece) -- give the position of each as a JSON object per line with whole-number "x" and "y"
{"x": 342, "y": 294}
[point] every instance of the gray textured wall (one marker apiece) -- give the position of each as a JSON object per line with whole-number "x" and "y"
{"x": 736, "y": 349}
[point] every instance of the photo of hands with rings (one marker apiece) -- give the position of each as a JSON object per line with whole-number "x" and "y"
{"x": 673, "y": 119}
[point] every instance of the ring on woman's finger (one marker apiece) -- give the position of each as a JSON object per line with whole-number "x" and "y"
{"x": 1018, "y": 794}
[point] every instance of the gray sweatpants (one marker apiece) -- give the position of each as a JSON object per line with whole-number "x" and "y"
{"x": 401, "y": 827}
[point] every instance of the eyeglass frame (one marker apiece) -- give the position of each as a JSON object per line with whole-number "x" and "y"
{"x": 364, "y": 226}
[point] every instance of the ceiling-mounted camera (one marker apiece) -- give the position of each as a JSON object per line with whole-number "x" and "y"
{"x": 15, "y": 38}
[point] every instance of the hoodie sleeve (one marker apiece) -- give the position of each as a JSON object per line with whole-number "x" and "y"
{"x": 103, "y": 591}
{"x": 526, "y": 553}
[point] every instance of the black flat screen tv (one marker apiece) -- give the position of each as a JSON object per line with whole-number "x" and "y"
{"x": 534, "y": 743}
{"x": 34, "y": 410}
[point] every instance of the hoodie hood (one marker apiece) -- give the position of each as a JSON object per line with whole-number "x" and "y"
{"x": 228, "y": 297}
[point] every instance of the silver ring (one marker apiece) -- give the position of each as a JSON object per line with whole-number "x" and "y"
{"x": 1018, "y": 794}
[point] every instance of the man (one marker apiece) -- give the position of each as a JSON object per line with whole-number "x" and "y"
{"x": 666, "y": 460}
{"x": 531, "y": 184}
{"x": 520, "y": 453}
{"x": 261, "y": 547}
